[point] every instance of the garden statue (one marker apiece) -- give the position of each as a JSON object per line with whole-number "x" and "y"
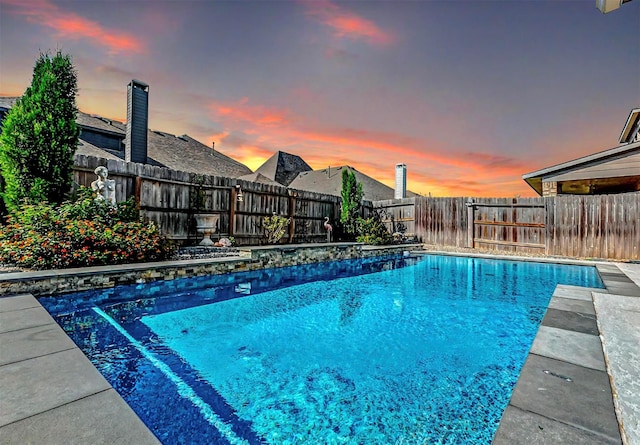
{"x": 105, "y": 188}
{"x": 328, "y": 228}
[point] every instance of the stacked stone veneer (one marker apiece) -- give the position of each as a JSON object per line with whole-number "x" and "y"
{"x": 251, "y": 258}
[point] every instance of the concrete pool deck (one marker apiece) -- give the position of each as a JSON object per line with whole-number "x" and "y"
{"x": 51, "y": 393}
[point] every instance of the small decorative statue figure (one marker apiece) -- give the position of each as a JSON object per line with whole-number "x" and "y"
{"x": 105, "y": 188}
{"x": 328, "y": 228}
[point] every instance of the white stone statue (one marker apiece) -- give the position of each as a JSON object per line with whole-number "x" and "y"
{"x": 105, "y": 188}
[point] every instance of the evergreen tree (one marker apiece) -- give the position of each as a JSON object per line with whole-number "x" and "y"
{"x": 351, "y": 199}
{"x": 40, "y": 135}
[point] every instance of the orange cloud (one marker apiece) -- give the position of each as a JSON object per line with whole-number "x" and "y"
{"x": 346, "y": 24}
{"x": 70, "y": 25}
{"x": 252, "y": 156}
{"x": 401, "y": 147}
{"x": 255, "y": 132}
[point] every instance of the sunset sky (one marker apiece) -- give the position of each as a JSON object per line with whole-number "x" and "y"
{"x": 470, "y": 95}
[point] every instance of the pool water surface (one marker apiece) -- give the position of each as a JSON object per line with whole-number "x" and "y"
{"x": 393, "y": 351}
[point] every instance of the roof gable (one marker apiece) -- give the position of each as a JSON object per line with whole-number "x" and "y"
{"x": 329, "y": 181}
{"x": 258, "y": 177}
{"x": 631, "y": 130}
{"x": 283, "y": 167}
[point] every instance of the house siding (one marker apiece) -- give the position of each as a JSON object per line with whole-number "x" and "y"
{"x": 628, "y": 165}
{"x": 102, "y": 140}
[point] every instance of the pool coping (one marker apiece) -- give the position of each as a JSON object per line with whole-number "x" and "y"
{"x": 37, "y": 359}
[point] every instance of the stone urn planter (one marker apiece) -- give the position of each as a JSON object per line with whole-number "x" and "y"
{"x": 206, "y": 224}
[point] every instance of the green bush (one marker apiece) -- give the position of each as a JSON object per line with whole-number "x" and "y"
{"x": 79, "y": 233}
{"x": 39, "y": 135}
{"x": 351, "y": 203}
{"x": 372, "y": 231}
{"x": 85, "y": 206}
{"x": 275, "y": 227}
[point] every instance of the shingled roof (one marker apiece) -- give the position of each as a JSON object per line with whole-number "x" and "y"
{"x": 187, "y": 154}
{"x": 7, "y": 102}
{"x": 163, "y": 149}
{"x": 283, "y": 167}
{"x": 329, "y": 181}
{"x": 258, "y": 177}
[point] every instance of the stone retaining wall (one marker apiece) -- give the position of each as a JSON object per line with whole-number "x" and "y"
{"x": 251, "y": 258}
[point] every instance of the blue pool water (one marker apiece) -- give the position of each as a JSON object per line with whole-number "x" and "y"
{"x": 393, "y": 351}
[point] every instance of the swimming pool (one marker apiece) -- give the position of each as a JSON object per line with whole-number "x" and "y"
{"x": 398, "y": 350}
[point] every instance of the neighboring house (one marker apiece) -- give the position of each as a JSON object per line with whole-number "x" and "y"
{"x": 283, "y": 167}
{"x": 293, "y": 172}
{"x": 616, "y": 170}
{"x": 260, "y": 178}
{"x": 107, "y": 139}
{"x": 606, "y": 6}
{"x": 329, "y": 181}
{"x": 133, "y": 141}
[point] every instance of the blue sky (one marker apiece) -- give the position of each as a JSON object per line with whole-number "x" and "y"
{"x": 469, "y": 94}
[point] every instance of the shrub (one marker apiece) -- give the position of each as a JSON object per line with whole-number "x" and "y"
{"x": 275, "y": 227}
{"x": 85, "y": 206}
{"x": 372, "y": 231}
{"x": 40, "y": 135}
{"x": 70, "y": 235}
{"x": 351, "y": 202}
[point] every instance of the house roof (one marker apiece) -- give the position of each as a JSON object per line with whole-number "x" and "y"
{"x": 283, "y": 167}
{"x": 534, "y": 179}
{"x": 7, "y": 102}
{"x": 187, "y": 154}
{"x": 258, "y": 177}
{"x": 329, "y": 181}
{"x": 630, "y": 127}
{"x": 163, "y": 149}
{"x": 102, "y": 124}
{"x": 88, "y": 149}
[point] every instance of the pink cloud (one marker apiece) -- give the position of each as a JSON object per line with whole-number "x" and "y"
{"x": 346, "y": 24}
{"x": 241, "y": 112}
{"x": 70, "y": 25}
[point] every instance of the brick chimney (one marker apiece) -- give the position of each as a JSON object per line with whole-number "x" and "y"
{"x": 137, "y": 122}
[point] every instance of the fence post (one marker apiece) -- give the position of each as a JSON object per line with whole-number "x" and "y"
{"x": 292, "y": 211}
{"x": 232, "y": 210}
{"x": 549, "y": 223}
{"x": 470, "y": 225}
{"x": 137, "y": 191}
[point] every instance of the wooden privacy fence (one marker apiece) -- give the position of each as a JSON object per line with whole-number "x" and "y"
{"x": 398, "y": 215}
{"x": 171, "y": 199}
{"x": 519, "y": 224}
{"x": 594, "y": 226}
{"x": 585, "y": 226}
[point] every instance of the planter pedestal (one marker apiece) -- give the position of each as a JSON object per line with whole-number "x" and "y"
{"x": 206, "y": 224}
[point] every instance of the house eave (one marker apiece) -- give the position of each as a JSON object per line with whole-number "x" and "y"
{"x": 102, "y": 130}
{"x": 534, "y": 179}
{"x": 583, "y": 160}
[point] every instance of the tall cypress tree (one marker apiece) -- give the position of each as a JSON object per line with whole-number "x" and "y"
{"x": 351, "y": 199}
{"x": 40, "y": 135}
